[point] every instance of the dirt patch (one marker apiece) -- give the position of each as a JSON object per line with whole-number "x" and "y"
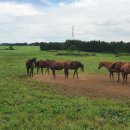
{"x": 97, "y": 86}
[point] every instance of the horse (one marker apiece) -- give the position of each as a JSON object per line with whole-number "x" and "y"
{"x": 41, "y": 64}
{"x": 30, "y": 64}
{"x": 125, "y": 70}
{"x": 47, "y": 65}
{"x": 59, "y": 65}
{"x": 107, "y": 65}
{"x": 75, "y": 65}
{"x": 117, "y": 68}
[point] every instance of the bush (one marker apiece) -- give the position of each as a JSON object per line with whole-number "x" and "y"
{"x": 68, "y": 53}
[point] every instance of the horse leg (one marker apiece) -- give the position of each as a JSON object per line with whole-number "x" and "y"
{"x": 74, "y": 73}
{"x": 28, "y": 71}
{"x": 126, "y": 78}
{"x": 123, "y": 76}
{"x": 47, "y": 71}
{"x": 42, "y": 71}
{"x": 67, "y": 73}
{"x": 77, "y": 74}
{"x": 118, "y": 77}
{"x": 53, "y": 72}
{"x": 37, "y": 69}
{"x": 32, "y": 72}
{"x": 112, "y": 76}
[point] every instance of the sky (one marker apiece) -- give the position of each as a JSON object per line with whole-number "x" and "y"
{"x": 52, "y": 20}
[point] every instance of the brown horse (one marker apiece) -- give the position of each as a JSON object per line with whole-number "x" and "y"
{"x": 116, "y": 67}
{"x": 43, "y": 64}
{"x": 125, "y": 70}
{"x": 59, "y": 65}
{"x": 107, "y": 65}
{"x": 75, "y": 65}
{"x": 30, "y": 64}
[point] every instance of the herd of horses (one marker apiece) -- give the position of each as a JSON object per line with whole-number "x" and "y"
{"x": 53, "y": 65}
{"x": 122, "y": 68}
{"x": 117, "y": 67}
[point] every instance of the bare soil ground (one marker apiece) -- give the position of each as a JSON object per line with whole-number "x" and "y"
{"x": 98, "y": 86}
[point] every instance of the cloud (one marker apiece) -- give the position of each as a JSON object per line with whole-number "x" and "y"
{"x": 79, "y": 4}
{"x": 47, "y": 2}
{"x": 15, "y": 9}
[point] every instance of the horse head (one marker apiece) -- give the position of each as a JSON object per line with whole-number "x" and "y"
{"x": 35, "y": 61}
{"x": 100, "y": 65}
{"x": 82, "y": 67}
{"x": 37, "y": 64}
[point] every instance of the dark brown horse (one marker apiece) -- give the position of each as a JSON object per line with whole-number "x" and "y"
{"x": 30, "y": 64}
{"x": 43, "y": 64}
{"x": 75, "y": 65}
{"x": 125, "y": 70}
{"x": 107, "y": 65}
{"x": 59, "y": 65}
{"x": 116, "y": 67}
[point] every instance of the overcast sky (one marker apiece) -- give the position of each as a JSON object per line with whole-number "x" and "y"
{"x": 52, "y": 20}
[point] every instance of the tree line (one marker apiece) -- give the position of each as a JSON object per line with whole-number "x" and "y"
{"x": 88, "y": 46}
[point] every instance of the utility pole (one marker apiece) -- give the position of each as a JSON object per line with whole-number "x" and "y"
{"x": 72, "y": 32}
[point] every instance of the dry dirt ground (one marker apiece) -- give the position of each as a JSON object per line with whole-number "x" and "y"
{"x": 97, "y": 86}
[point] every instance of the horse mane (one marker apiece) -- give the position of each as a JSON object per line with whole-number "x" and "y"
{"x": 119, "y": 64}
{"x": 113, "y": 66}
{"x": 34, "y": 59}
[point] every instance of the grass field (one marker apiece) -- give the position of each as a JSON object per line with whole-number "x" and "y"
{"x": 31, "y": 105}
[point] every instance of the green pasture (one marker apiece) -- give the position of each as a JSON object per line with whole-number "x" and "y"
{"x": 31, "y": 105}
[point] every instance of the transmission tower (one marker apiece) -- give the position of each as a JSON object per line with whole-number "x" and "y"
{"x": 72, "y": 32}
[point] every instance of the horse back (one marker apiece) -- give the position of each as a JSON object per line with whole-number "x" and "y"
{"x": 108, "y": 64}
{"x": 74, "y": 64}
{"x": 58, "y": 65}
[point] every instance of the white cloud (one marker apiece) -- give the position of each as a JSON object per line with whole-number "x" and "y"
{"x": 13, "y": 9}
{"x": 80, "y": 4}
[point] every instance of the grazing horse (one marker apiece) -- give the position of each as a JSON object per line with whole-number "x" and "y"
{"x": 59, "y": 65}
{"x": 116, "y": 67}
{"x": 107, "y": 65}
{"x": 30, "y": 64}
{"x": 75, "y": 65}
{"x": 125, "y": 70}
